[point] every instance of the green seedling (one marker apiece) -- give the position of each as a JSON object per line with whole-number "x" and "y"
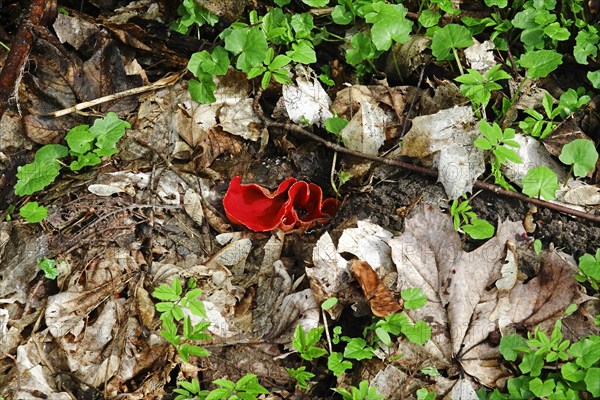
{"x": 478, "y": 88}
{"x": 497, "y": 142}
{"x": 305, "y": 342}
{"x": 362, "y": 392}
{"x": 301, "y": 376}
{"x": 192, "y": 15}
{"x": 246, "y": 388}
{"x": 589, "y": 268}
{"x": 48, "y": 266}
{"x": 173, "y": 316}
{"x": 540, "y": 182}
{"x": 33, "y": 212}
{"x": 424, "y": 394}
{"x": 581, "y": 154}
{"x": 465, "y": 220}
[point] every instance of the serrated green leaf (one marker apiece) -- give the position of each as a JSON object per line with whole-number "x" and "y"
{"x": 413, "y": 298}
{"x": 357, "y": 349}
{"x": 48, "y": 266}
{"x": 337, "y": 365}
{"x": 214, "y": 63}
{"x": 250, "y": 44}
{"x": 108, "y": 131}
{"x": 316, "y": 3}
{"x": 302, "y": 53}
{"x": 80, "y": 139}
{"x": 203, "y": 90}
{"x": 35, "y": 177}
{"x": 540, "y": 63}
{"x": 418, "y": 333}
{"x": 85, "y": 160}
{"x": 479, "y": 229}
{"x": 50, "y": 153}
{"x": 165, "y": 292}
{"x": 389, "y": 25}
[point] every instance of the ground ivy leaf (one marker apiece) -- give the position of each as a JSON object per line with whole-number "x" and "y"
{"x": 450, "y": 37}
{"x": 540, "y": 63}
{"x": 337, "y": 364}
{"x": 542, "y": 182}
{"x": 582, "y": 154}
{"x": 418, "y": 333}
{"x": 80, "y": 139}
{"x": 302, "y": 53}
{"x": 413, "y": 298}
{"x": 362, "y": 49}
{"x": 389, "y": 24}
{"x": 33, "y": 212}
{"x": 35, "y": 176}
{"x": 85, "y": 160}
{"x": 108, "y": 131}
{"x": 479, "y": 229}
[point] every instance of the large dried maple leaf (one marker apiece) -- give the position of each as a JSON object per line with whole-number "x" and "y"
{"x": 465, "y": 307}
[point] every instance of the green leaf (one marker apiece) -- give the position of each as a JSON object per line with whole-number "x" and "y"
{"x": 592, "y": 381}
{"x": 48, "y": 266}
{"x": 571, "y": 372}
{"x": 424, "y": 394}
{"x": 337, "y": 365}
{"x": 537, "y": 246}
{"x": 540, "y": 182}
{"x": 50, "y": 153}
{"x": 302, "y": 53}
{"x": 582, "y": 154}
{"x": 165, "y": 292}
{"x": 329, "y": 303}
{"x": 203, "y": 91}
{"x": 335, "y": 125}
{"x": 303, "y": 25}
{"x": 586, "y": 352}
{"x": 542, "y": 388}
{"x": 32, "y": 212}
{"x": 215, "y": 63}
{"x": 503, "y": 153}
{"x": 301, "y": 376}
{"x": 249, "y": 44}
{"x": 35, "y": 176}
{"x": 479, "y": 229}
{"x": 389, "y": 25}
{"x": 219, "y": 394}
{"x": 108, "y": 131}
{"x": 80, "y": 139}
{"x": 540, "y": 63}
{"x": 452, "y": 36}
{"x": 511, "y": 345}
{"x": 590, "y": 265}
{"x": 532, "y": 364}
{"x": 413, "y": 298}
{"x": 357, "y": 349}
{"x": 418, "y": 333}
{"x": 362, "y": 49}
{"x": 316, "y": 3}
{"x": 85, "y": 160}
{"x": 594, "y": 78}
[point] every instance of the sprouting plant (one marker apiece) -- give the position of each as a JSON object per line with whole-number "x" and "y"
{"x": 589, "y": 268}
{"x": 478, "y": 88}
{"x": 273, "y": 68}
{"x": 305, "y": 342}
{"x": 33, "y": 212}
{"x": 177, "y": 309}
{"x": 551, "y": 367}
{"x": 192, "y": 14}
{"x": 48, "y": 266}
{"x": 424, "y": 394}
{"x": 447, "y": 40}
{"x": 540, "y": 182}
{"x": 362, "y": 392}
{"x": 538, "y": 125}
{"x": 497, "y": 142}
{"x": 465, "y": 219}
{"x": 301, "y": 375}
{"x": 86, "y": 146}
{"x": 246, "y": 388}
{"x": 581, "y": 155}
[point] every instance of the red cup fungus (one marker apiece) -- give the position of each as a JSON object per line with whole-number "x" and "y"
{"x": 295, "y": 204}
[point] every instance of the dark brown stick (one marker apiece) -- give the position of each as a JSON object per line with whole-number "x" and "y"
{"x": 12, "y": 71}
{"x": 416, "y": 168}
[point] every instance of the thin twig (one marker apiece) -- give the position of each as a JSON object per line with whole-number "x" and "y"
{"x": 161, "y": 83}
{"x": 415, "y": 168}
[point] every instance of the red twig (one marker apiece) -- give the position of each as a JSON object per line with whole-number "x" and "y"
{"x": 416, "y": 168}
{"x": 12, "y": 71}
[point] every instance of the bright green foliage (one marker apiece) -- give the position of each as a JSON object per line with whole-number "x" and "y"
{"x": 541, "y": 28}
{"x": 540, "y": 63}
{"x": 316, "y": 3}
{"x": 388, "y": 24}
{"x": 363, "y": 392}
{"x": 357, "y": 349}
{"x": 478, "y": 88}
{"x": 335, "y": 125}
{"x": 48, "y": 266}
{"x": 329, "y": 303}
{"x": 594, "y": 78}
{"x": 448, "y": 39}
{"x": 540, "y": 182}
{"x": 430, "y": 371}
{"x": 362, "y": 49}
{"x": 465, "y": 219}
{"x": 305, "y": 342}
{"x": 301, "y": 376}
{"x": 33, "y": 212}
{"x": 86, "y": 145}
{"x": 273, "y": 68}
{"x": 589, "y": 267}
{"x": 246, "y": 388}
{"x": 586, "y": 44}
{"x": 337, "y": 365}
{"x": 424, "y": 394}
{"x": 192, "y": 14}
{"x": 581, "y": 154}
{"x": 497, "y": 141}
{"x": 413, "y": 298}
{"x": 537, "y": 357}
{"x": 215, "y": 63}
{"x": 249, "y": 44}
{"x": 172, "y": 310}
{"x": 189, "y": 390}
{"x": 537, "y": 247}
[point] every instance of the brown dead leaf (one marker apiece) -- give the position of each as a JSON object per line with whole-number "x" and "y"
{"x": 382, "y": 301}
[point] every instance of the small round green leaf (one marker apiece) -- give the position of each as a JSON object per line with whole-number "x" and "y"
{"x": 540, "y": 182}
{"x": 33, "y": 212}
{"x": 582, "y": 154}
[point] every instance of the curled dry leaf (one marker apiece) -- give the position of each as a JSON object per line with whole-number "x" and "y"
{"x": 382, "y": 301}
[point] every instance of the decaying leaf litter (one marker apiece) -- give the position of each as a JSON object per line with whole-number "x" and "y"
{"x": 154, "y": 212}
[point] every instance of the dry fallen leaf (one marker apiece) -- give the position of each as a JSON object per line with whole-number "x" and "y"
{"x": 382, "y": 301}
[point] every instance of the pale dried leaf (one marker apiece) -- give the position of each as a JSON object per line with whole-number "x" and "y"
{"x": 366, "y": 130}
{"x": 307, "y": 100}
{"x": 366, "y": 242}
{"x": 480, "y": 56}
{"x": 192, "y": 204}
